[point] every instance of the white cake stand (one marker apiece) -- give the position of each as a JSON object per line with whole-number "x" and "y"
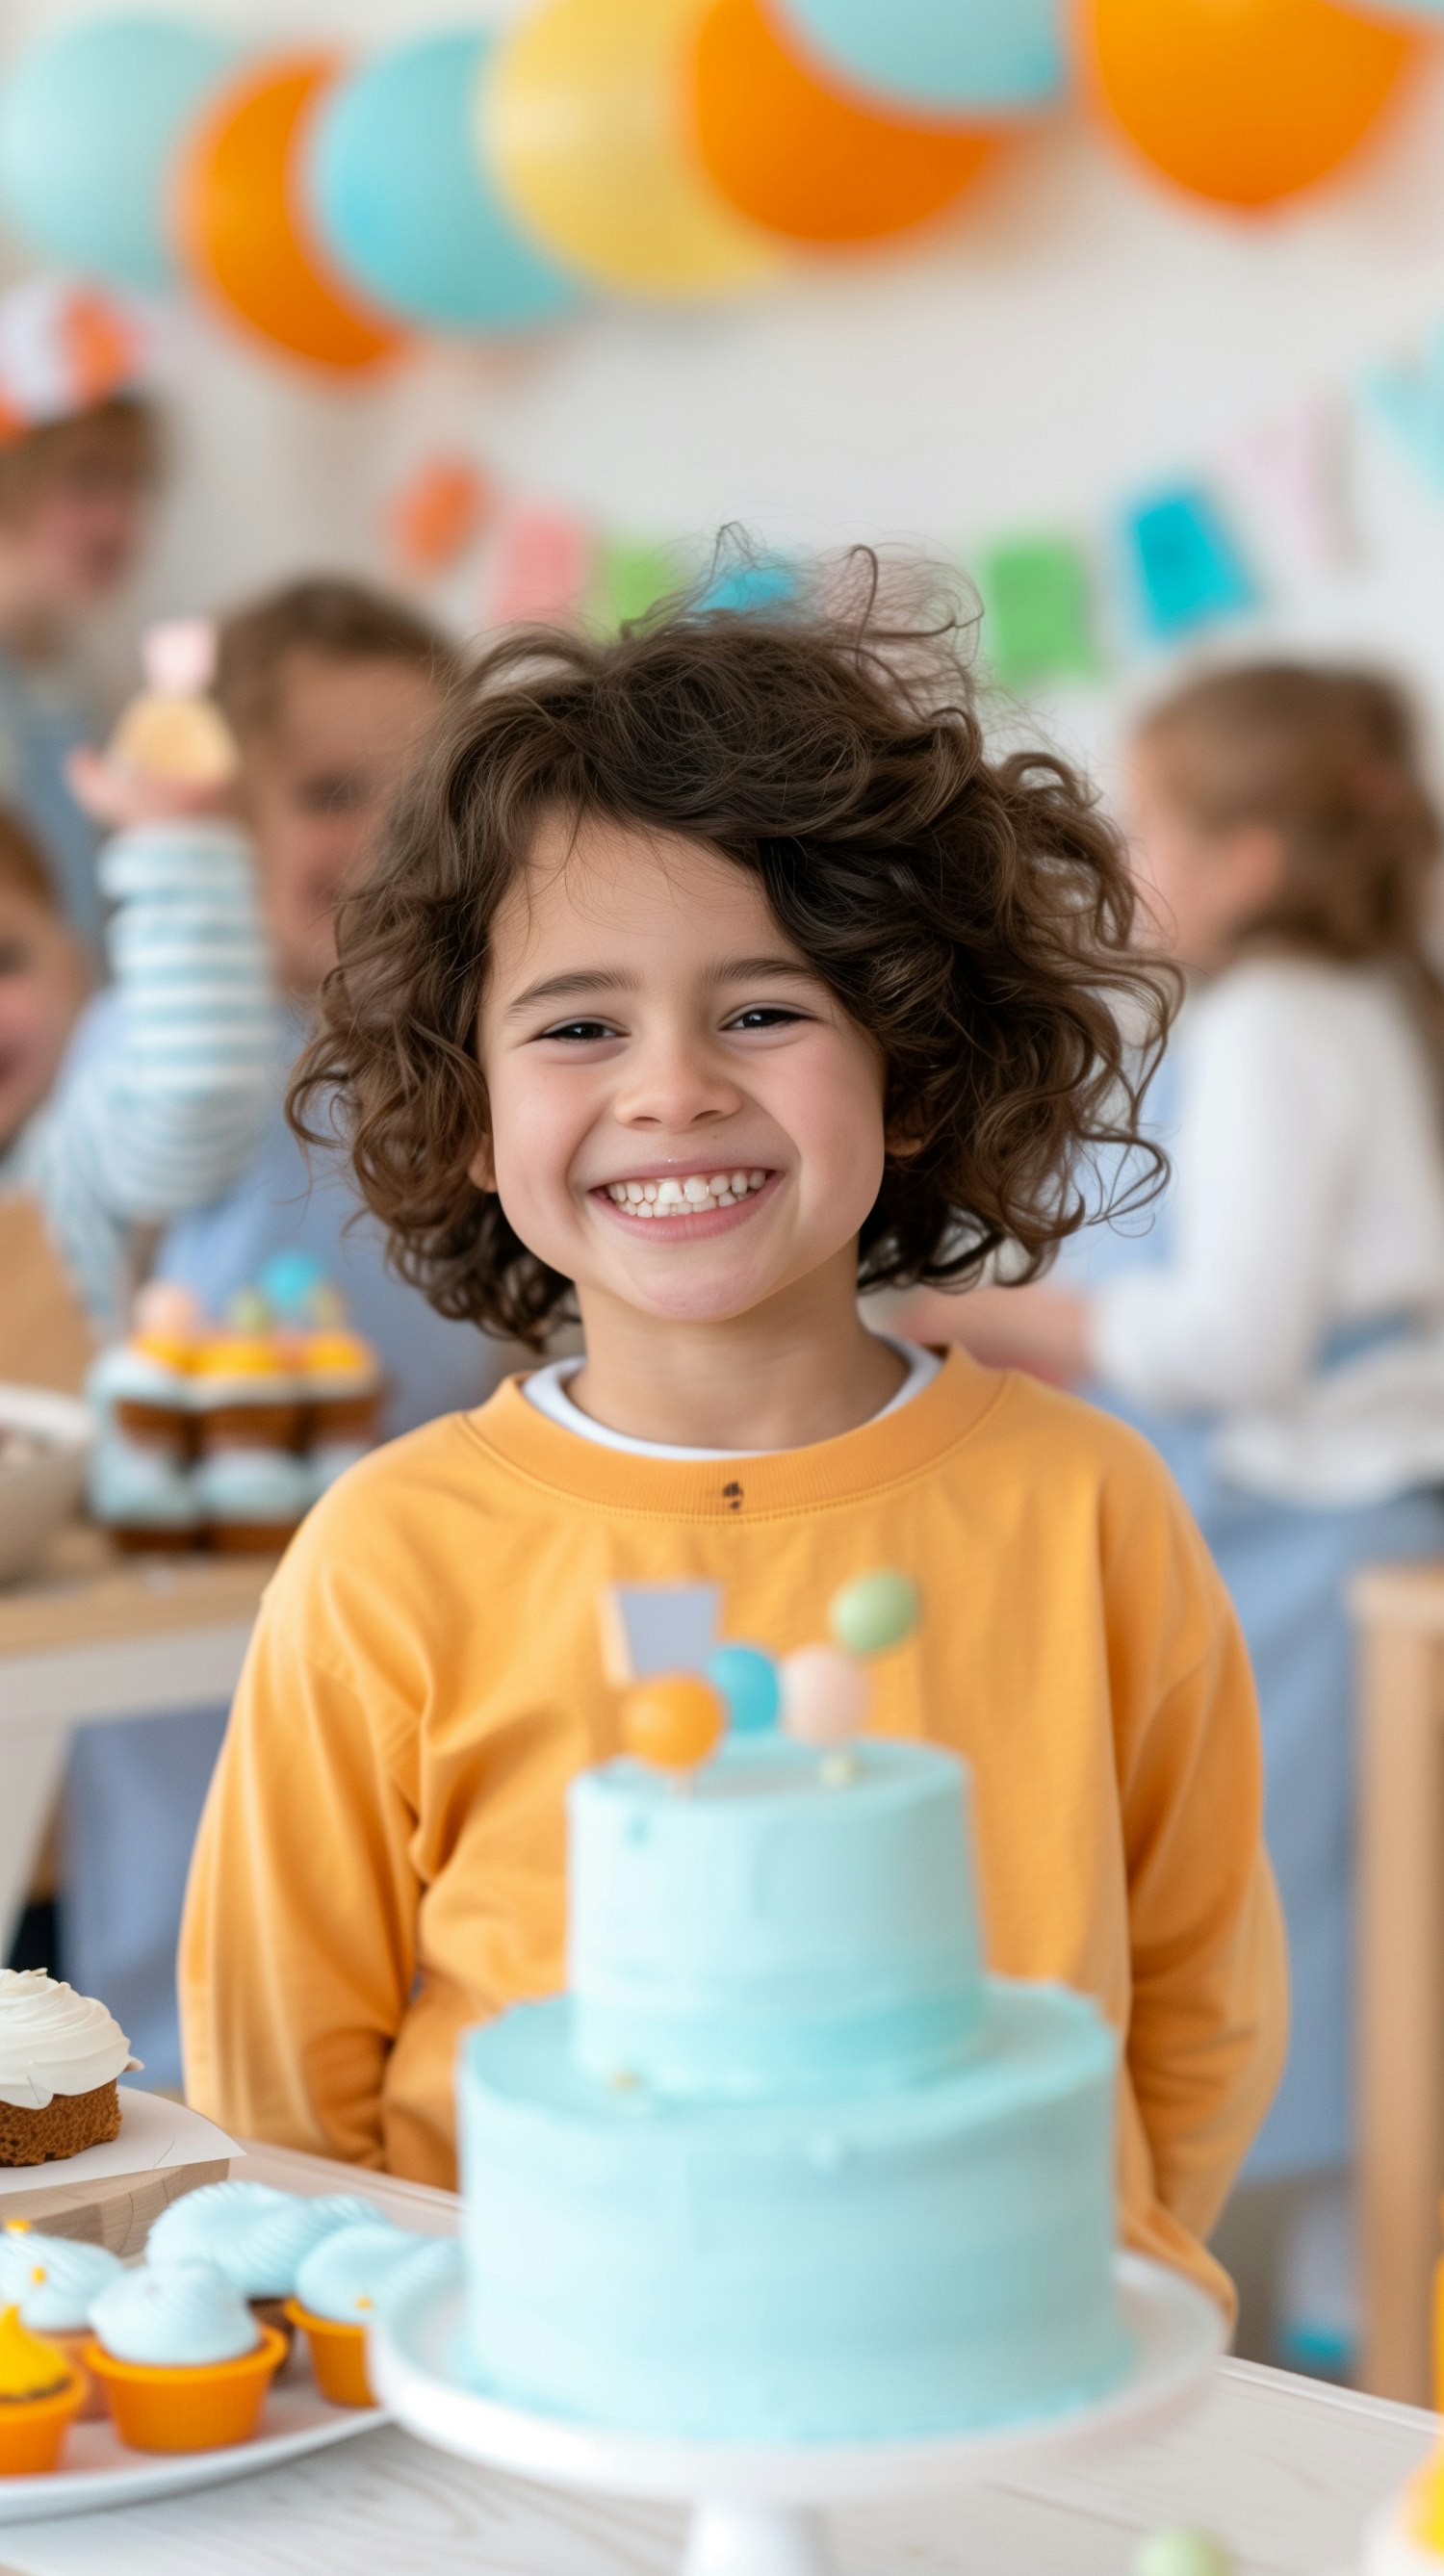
{"x": 758, "y": 2511}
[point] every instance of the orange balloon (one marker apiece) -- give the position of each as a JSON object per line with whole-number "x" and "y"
{"x": 673, "y": 1721}
{"x": 1243, "y": 101}
{"x": 800, "y": 158}
{"x": 241, "y": 226}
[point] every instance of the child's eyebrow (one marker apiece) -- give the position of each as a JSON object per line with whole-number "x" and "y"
{"x": 561, "y": 988}
{"x": 581, "y": 981}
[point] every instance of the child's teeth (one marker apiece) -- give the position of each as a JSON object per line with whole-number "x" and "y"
{"x": 684, "y": 1197}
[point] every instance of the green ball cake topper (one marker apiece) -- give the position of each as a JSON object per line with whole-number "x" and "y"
{"x": 1179, "y": 2551}
{"x": 875, "y": 1612}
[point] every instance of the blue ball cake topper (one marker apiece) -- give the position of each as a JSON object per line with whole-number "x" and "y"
{"x": 749, "y": 1682}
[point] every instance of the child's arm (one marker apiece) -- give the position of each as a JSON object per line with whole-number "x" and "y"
{"x": 298, "y": 1949}
{"x": 1209, "y": 2018}
{"x": 165, "y": 1113}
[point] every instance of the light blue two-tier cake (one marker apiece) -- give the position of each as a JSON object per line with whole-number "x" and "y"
{"x": 784, "y": 2164}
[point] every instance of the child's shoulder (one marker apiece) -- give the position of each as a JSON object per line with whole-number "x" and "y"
{"x": 1077, "y": 1441}
{"x": 397, "y": 1528}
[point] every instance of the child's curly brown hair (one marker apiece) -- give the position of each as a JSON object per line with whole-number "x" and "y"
{"x": 973, "y": 915}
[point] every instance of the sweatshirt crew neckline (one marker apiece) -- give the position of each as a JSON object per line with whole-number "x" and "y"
{"x": 891, "y": 1449}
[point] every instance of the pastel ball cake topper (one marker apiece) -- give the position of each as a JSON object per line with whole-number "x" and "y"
{"x": 826, "y": 1691}
{"x": 674, "y": 1721}
{"x": 685, "y": 1693}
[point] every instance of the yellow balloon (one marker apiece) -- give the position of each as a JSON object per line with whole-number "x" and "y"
{"x": 583, "y": 131}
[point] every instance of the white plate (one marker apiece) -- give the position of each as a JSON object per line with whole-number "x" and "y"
{"x": 153, "y": 2133}
{"x": 98, "y": 2471}
{"x": 36, "y": 1498}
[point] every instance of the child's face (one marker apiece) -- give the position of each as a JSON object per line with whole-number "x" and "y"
{"x": 645, "y": 1022}
{"x": 42, "y": 985}
{"x": 317, "y": 780}
{"x": 78, "y": 537}
{"x": 1200, "y": 888}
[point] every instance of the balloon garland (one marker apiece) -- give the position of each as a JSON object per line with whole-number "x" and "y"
{"x": 482, "y": 181}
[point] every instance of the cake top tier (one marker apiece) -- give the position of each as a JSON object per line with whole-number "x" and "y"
{"x": 771, "y": 1928}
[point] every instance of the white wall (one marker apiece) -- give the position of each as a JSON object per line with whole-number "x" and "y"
{"x": 1075, "y": 332}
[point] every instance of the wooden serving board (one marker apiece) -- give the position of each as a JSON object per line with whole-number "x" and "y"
{"x": 117, "y": 2211}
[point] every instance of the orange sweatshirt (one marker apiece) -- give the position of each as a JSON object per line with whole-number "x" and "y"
{"x": 382, "y": 1857}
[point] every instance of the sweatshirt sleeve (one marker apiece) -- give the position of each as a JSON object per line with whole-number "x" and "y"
{"x": 167, "y": 1113}
{"x": 1208, "y": 2022}
{"x": 294, "y": 1977}
{"x": 1267, "y": 1129}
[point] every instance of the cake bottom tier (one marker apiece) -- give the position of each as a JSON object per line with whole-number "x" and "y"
{"x": 936, "y": 2259}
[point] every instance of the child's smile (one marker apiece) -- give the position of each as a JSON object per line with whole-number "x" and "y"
{"x": 698, "y": 1202}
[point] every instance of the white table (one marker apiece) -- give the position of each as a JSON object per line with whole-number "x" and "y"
{"x": 96, "y": 1637}
{"x": 1284, "y": 2469}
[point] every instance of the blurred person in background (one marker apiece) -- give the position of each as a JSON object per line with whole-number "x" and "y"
{"x": 44, "y": 980}
{"x": 331, "y": 690}
{"x": 78, "y": 473}
{"x": 1278, "y": 1331}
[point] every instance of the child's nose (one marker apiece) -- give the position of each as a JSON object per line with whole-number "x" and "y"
{"x": 675, "y": 1085}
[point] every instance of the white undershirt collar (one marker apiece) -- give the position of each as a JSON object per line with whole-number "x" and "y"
{"x": 546, "y": 1388}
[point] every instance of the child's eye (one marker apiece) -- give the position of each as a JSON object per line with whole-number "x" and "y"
{"x": 766, "y": 1015}
{"x": 581, "y": 1032}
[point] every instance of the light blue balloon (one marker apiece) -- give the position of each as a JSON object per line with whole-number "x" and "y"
{"x": 404, "y": 205}
{"x": 91, "y": 120}
{"x": 964, "y": 57}
{"x": 752, "y": 586}
{"x": 751, "y": 1685}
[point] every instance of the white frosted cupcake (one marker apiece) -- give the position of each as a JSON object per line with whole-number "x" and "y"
{"x": 52, "y": 2280}
{"x": 61, "y": 2055}
{"x": 339, "y": 2286}
{"x": 183, "y": 2363}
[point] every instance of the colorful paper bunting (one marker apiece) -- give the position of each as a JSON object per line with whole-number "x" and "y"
{"x": 541, "y": 570}
{"x": 1409, "y": 402}
{"x": 1187, "y": 568}
{"x": 1038, "y": 612}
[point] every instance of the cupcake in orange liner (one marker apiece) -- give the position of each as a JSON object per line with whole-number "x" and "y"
{"x": 339, "y": 2286}
{"x": 246, "y": 1393}
{"x": 41, "y": 2393}
{"x": 53, "y": 2280}
{"x": 182, "y": 2361}
{"x": 256, "y": 2236}
{"x": 342, "y": 1387}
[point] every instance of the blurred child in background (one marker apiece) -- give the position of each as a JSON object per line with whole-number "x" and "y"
{"x": 123, "y": 1132}
{"x": 330, "y": 689}
{"x": 1279, "y": 1331}
{"x": 44, "y": 979}
{"x": 80, "y": 460}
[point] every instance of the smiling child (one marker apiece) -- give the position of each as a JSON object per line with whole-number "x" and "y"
{"x": 709, "y": 974}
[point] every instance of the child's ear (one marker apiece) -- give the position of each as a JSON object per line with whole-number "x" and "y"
{"x": 482, "y": 1166}
{"x": 903, "y": 1136}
